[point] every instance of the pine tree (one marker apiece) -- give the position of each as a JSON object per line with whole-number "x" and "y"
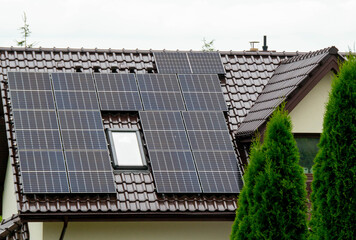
{"x": 333, "y": 187}
{"x": 241, "y": 228}
{"x": 273, "y": 204}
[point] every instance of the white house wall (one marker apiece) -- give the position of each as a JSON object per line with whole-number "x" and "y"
{"x": 308, "y": 115}
{"x": 9, "y": 205}
{"x": 138, "y": 230}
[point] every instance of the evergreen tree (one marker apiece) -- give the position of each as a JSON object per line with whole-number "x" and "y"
{"x": 241, "y": 229}
{"x": 276, "y": 197}
{"x": 333, "y": 187}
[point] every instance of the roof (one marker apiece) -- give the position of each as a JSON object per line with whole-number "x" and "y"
{"x": 288, "y": 78}
{"x": 13, "y": 229}
{"x": 246, "y": 75}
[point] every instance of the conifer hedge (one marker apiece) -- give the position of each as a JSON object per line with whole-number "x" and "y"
{"x": 333, "y": 188}
{"x": 272, "y": 204}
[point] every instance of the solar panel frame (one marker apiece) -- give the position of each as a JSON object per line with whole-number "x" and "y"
{"x": 118, "y": 92}
{"x": 206, "y": 63}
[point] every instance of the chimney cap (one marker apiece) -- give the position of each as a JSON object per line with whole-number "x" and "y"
{"x": 253, "y": 48}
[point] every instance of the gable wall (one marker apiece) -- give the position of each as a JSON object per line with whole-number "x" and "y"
{"x": 308, "y": 115}
{"x": 139, "y": 230}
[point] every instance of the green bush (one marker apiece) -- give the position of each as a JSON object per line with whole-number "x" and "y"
{"x": 241, "y": 228}
{"x": 333, "y": 188}
{"x": 272, "y": 204}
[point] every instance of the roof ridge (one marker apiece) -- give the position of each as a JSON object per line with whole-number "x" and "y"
{"x": 330, "y": 50}
{"x": 147, "y": 51}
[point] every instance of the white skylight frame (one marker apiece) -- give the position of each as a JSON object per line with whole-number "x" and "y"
{"x": 138, "y": 154}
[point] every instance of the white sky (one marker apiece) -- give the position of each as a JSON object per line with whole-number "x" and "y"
{"x": 290, "y": 25}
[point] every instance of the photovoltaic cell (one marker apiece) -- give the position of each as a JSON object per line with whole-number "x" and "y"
{"x": 88, "y": 161}
{"x": 73, "y": 82}
{"x": 213, "y": 152}
{"x": 177, "y": 182}
{"x": 172, "y": 62}
{"x": 29, "y": 81}
{"x": 206, "y": 63}
{"x": 92, "y": 182}
{"x": 41, "y": 160}
{"x": 172, "y": 161}
{"x": 118, "y": 92}
{"x": 80, "y": 120}
{"x": 29, "y": 100}
{"x": 35, "y": 119}
{"x": 205, "y": 121}
{"x": 202, "y": 92}
{"x": 157, "y": 120}
{"x": 160, "y": 92}
{"x": 114, "y": 82}
{"x": 221, "y": 182}
{"x": 38, "y": 139}
{"x": 83, "y": 139}
{"x": 76, "y": 100}
{"x": 166, "y": 140}
{"x": 120, "y": 101}
{"x": 45, "y": 182}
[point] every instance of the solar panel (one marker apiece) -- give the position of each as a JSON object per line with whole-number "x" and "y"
{"x": 172, "y": 62}
{"x": 76, "y": 100}
{"x": 169, "y": 151}
{"x": 160, "y": 92}
{"x": 73, "y": 82}
{"x": 29, "y": 81}
{"x": 28, "y": 100}
{"x": 213, "y": 152}
{"x": 35, "y": 119}
{"x": 38, "y": 139}
{"x": 206, "y": 63}
{"x": 118, "y": 92}
{"x": 202, "y": 92}
{"x": 82, "y": 131}
{"x": 45, "y": 182}
{"x": 80, "y": 120}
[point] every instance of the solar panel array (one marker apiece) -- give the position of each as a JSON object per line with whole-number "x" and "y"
{"x": 83, "y": 134}
{"x": 118, "y": 92}
{"x": 202, "y": 92}
{"x": 160, "y": 92}
{"x": 213, "y": 152}
{"x": 169, "y": 150}
{"x": 38, "y": 139}
{"x": 188, "y": 63}
{"x": 61, "y": 137}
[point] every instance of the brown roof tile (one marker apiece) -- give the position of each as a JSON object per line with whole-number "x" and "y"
{"x": 246, "y": 75}
{"x": 287, "y": 77}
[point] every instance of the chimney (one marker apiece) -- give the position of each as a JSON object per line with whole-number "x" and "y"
{"x": 264, "y": 47}
{"x": 253, "y": 48}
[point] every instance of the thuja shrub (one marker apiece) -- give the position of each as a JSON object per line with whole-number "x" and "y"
{"x": 241, "y": 229}
{"x": 333, "y": 188}
{"x": 276, "y": 197}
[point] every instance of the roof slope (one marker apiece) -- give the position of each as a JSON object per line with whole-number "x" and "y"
{"x": 246, "y": 75}
{"x": 288, "y": 77}
{"x": 13, "y": 229}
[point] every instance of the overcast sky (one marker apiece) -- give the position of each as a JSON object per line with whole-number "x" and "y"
{"x": 290, "y": 25}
